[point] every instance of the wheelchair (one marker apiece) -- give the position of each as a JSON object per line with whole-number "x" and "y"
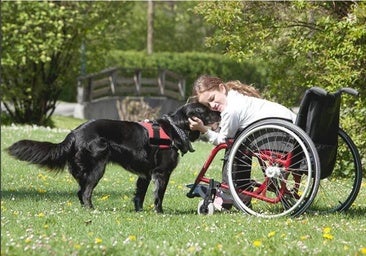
{"x": 277, "y": 168}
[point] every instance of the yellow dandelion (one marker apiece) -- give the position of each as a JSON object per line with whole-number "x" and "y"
{"x": 304, "y": 237}
{"x": 129, "y": 239}
{"x": 41, "y": 191}
{"x": 77, "y": 246}
{"x": 132, "y": 179}
{"x": 28, "y": 240}
{"x": 45, "y": 226}
{"x": 271, "y": 234}
{"x": 41, "y": 214}
{"x": 68, "y": 203}
{"x": 98, "y": 240}
{"x": 132, "y": 238}
{"x": 219, "y": 246}
{"x": 257, "y": 243}
{"x": 105, "y": 197}
{"x": 326, "y": 230}
{"x": 328, "y": 236}
{"x": 42, "y": 177}
{"x": 363, "y": 250}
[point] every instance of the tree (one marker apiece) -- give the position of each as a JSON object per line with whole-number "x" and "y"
{"x": 41, "y": 43}
{"x": 150, "y": 26}
{"x": 309, "y": 42}
{"x": 300, "y": 44}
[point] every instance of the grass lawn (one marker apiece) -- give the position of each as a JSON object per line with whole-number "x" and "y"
{"x": 41, "y": 215}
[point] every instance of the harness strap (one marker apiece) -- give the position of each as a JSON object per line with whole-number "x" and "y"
{"x": 157, "y": 135}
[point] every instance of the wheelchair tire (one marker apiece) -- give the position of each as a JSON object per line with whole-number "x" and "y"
{"x": 273, "y": 169}
{"x": 338, "y": 191}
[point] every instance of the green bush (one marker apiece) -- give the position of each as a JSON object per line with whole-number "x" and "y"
{"x": 190, "y": 65}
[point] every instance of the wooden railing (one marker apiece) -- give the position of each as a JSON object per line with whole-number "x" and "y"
{"x": 130, "y": 82}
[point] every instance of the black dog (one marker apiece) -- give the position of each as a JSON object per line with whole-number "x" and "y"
{"x": 88, "y": 149}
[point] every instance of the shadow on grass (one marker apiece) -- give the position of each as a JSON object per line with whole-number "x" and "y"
{"x": 26, "y": 194}
{"x": 33, "y": 195}
{"x": 61, "y": 196}
{"x": 355, "y": 212}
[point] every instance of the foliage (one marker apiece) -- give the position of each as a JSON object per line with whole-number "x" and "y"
{"x": 41, "y": 44}
{"x": 176, "y": 28}
{"x": 300, "y": 44}
{"x": 189, "y": 64}
{"x": 41, "y": 215}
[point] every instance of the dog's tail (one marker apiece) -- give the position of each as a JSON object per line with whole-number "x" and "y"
{"x": 46, "y": 154}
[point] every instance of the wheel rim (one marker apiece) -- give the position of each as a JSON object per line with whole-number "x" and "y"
{"x": 277, "y": 190}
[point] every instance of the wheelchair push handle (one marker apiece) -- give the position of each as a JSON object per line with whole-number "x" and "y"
{"x": 349, "y": 91}
{"x": 322, "y": 92}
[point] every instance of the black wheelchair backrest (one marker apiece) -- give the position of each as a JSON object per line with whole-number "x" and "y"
{"x": 318, "y": 116}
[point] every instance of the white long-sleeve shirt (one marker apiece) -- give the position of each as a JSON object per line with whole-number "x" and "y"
{"x": 241, "y": 111}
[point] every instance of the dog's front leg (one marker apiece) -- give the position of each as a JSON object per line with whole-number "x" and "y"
{"x": 161, "y": 182}
{"x": 141, "y": 187}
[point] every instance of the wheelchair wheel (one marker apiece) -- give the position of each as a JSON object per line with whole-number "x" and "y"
{"x": 209, "y": 209}
{"x": 273, "y": 169}
{"x": 338, "y": 191}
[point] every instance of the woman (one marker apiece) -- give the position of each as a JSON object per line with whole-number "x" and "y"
{"x": 239, "y": 105}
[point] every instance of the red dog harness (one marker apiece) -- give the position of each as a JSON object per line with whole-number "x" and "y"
{"x": 157, "y": 135}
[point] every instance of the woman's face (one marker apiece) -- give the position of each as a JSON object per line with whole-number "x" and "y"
{"x": 214, "y": 99}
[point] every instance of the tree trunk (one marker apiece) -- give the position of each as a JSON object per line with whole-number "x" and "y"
{"x": 150, "y": 26}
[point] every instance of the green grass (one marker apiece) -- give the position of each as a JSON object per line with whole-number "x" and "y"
{"x": 41, "y": 215}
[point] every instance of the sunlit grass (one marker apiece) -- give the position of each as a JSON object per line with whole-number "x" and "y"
{"x": 41, "y": 215}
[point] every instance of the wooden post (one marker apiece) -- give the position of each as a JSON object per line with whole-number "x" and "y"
{"x": 137, "y": 79}
{"x": 112, "y": 78}
{"x": 161, "y": 80}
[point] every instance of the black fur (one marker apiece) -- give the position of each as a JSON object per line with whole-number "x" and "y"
{"x": 87, "y": 149}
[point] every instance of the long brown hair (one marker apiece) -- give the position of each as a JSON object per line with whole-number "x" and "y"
{"x": 208, "y": 83}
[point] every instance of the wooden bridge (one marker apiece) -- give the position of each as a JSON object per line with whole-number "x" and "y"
{"x": 106, "y": 94}
{"x": 130, "y": 82}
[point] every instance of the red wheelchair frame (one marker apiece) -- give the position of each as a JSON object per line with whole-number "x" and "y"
{"x": 283, "y": 160}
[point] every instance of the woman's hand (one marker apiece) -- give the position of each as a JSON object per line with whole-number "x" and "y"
{"x": 196, "y": 124}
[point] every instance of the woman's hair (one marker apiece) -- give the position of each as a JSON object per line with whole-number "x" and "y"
{"x": 208, "y": 83}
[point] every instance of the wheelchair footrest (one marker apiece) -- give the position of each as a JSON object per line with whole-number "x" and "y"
{"x": 199, "y": 191}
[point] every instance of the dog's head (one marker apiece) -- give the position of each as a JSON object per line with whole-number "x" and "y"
{"x": 207, "y": 116}
{"x": 179, "y": 118}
